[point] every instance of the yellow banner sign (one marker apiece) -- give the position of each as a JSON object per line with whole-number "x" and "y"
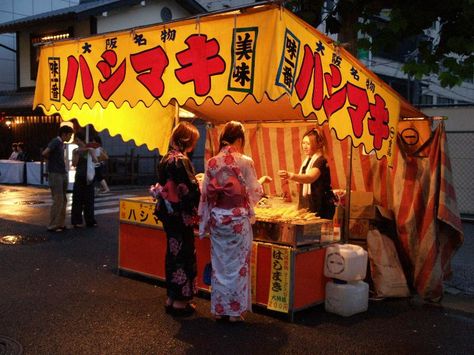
{"x": 279, "y": 295}
{"x": 138, "y": 212}
{"x": 267, "y": 53}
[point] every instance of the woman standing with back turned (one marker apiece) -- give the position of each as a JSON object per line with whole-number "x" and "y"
{"x": 229, "y": 193}
{"x": 178, "y": 195}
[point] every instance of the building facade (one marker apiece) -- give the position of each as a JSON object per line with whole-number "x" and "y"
{"x": 24, "y": 32}
{"x": 11, "y": 10}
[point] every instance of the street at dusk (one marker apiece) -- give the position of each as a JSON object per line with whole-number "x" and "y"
{"x": 236, "y": 177}
{"x": 61, "y": 294}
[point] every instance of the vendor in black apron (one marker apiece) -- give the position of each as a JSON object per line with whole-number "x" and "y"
{"x": 314, "y": 176}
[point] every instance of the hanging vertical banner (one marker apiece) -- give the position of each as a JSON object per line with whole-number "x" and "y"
{"x": 279, "y": 295}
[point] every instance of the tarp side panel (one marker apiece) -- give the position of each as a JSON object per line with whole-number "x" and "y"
{"x": 428, "y": 222}
{"x": 145, "y": 125}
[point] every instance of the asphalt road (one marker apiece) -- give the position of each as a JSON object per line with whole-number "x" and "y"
{"x": 61, "y": 294}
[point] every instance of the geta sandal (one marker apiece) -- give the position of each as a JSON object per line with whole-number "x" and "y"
{"x": 238, "y": 319}
{"x": 186, "y": 311}
{"x": 221, "y": 319}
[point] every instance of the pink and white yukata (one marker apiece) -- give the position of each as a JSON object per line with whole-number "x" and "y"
{"x": 230, "y": 190}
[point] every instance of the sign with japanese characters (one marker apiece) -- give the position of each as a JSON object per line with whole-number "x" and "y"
{"x": 138, "y": 212}
{"x": 279, "y": 294}
{"x": 225, "y": 60}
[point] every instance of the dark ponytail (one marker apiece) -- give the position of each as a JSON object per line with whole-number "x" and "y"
{"x": 232, "y": 131}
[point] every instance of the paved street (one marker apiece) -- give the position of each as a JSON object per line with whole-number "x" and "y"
{"x": 61, "y": 294}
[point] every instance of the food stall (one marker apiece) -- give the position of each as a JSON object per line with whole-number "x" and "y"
{"x": 260, "y": 65}
{"x": 287, "y": 253}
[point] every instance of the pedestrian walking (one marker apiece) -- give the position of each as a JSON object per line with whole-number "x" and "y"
{"x": 57, "y": 178}
{"x": 102, "y": 158}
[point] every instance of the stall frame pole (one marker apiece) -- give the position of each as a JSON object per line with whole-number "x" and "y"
{"x": 347, "y": 207}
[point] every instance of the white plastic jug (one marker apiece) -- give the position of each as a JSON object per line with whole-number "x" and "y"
{"x": 345, "y": 262}
{"x": 347, "y": 299}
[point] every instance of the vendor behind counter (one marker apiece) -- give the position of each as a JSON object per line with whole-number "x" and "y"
{"x": 314, "y": 177}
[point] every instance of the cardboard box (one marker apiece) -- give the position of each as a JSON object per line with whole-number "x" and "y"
{"x": 359, "y": 228}
{"x": 362, "y": 205}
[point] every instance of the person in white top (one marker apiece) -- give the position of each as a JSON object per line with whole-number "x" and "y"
{"x": 14, "y": 154}
{"x": 102, "y": 158}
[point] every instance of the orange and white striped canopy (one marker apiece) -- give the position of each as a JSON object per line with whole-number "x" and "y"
{"x": 259, "y": 65}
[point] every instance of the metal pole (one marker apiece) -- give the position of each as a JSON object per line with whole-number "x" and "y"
{"x": 347, "y": 207}
{"x": 87, "y": 133}
{"x": 176, "y": 113}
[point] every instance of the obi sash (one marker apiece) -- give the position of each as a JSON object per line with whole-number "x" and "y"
{"x": 228, "y": 196}
{"x": 170, "y": 192}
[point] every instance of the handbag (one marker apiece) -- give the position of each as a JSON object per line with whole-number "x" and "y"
{"x": 90, "y": 170}
{"x": 206, "y": 275}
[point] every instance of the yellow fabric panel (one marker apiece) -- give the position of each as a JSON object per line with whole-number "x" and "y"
{"x": 258, "y": 65}
{"x": 248, "y": 110}
{"x": 145, "y": 125}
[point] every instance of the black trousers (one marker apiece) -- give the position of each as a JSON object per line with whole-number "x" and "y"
{"x": 83, "y": 203}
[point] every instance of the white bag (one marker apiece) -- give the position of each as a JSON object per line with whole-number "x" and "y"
{"x": 387, "y": 273}
{"x": 90, "y": 170}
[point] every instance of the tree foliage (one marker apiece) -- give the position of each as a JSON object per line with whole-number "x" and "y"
{"x": 388, "y": 25}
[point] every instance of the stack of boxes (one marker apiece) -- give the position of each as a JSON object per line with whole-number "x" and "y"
{"x": 364, "y": 215}
{"x": 361, "y": 214}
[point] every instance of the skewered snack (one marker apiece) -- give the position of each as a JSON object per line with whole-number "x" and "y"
{"x": 264, "y": 203}
{"x": 283, "y": 214}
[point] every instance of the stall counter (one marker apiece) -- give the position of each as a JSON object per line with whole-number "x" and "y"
{"x": 11, "y": 171}
{"x": 284, "y": 278}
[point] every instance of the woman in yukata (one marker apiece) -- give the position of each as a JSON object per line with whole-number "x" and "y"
{"x": 177, "y": 194}
{"x": 230, "y": 190}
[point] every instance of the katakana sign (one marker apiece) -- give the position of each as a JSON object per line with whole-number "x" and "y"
{"x": 267, "y": 53}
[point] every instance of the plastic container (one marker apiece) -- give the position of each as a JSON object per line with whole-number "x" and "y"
{"x": 336, "y": 233}
{"x": 345, "y": 262}
{"x": 347, "y": 299}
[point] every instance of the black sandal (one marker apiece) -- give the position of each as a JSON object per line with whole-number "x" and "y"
{"x": 181, "y": 312}
{"x": 221, "y": 319}
{"x": 236, "y": 319}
